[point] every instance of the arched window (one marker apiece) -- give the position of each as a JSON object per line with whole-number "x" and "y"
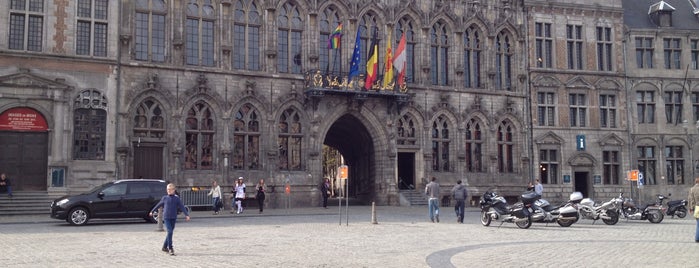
{"x": 405, "y": 25}
{"x": 246, "y": 36}
{"x": 503, "y": 61}
{"x": 199, "y": 135}
{"x": 290, "y": 137}
{"x": 90, "y": 124}
{"x": 439, "y": 54}
{"x": 505, "y": 147}
{"x": 406, "y": 130}
{"x": 149, "y": 32}
{"x": 330, "y": 59}
{"x": 472, "y": 57}
{"x": 440, "y": 144}
{"x": 368, "y": 24}
{"x": 199, "y": 32}
{"x": 289, "y": 39}
{"x": 148, "y": 121}
{"x": 246, "y": 138}
{"x": 474, "y": 146}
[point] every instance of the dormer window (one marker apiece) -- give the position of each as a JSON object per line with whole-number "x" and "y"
{"x": 661, "y": 14}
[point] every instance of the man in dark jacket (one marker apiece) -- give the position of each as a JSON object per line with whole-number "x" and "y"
{"x": 459, "y": 193}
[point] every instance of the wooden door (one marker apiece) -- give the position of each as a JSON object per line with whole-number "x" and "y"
{"x": 148, "y": 162}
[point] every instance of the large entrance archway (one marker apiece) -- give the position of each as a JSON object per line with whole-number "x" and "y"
{"x": 354, "y": 142}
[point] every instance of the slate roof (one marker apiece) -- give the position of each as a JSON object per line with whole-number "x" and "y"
{"x": 683, "y": 17}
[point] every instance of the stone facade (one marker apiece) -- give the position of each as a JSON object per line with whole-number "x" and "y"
{"x": 179, "y": 111}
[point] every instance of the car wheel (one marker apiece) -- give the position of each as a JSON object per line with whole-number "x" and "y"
{"x": 78, "y": 216}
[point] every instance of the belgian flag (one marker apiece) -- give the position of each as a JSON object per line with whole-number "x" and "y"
{"x": 372, "y": 64}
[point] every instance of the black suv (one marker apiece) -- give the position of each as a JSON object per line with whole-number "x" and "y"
{"x": 118, "y": 199}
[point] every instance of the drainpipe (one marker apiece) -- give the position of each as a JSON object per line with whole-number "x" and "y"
{"x": 529, "y": 97}
{"x": 628, "y": 107}
{"x": 118, "y": 93}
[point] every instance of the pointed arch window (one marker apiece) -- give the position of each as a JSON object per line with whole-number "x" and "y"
{"x": 472, "y": 57}
{"x": 368, "y": 25}
{"x": 149, "y": 40}
{"x": 289, "y": 39}
{"x": 503, "y": 62}
{"x": 199, "y": 32}
{"x": 505, "y": 147}
{"x": 246, "y": 138}
{"x": 246, "y": 36}
{"x": 439, "y": 54}
{"x": 474, "y": 146}
{"x": 406, "y": 130}
{"x": 405, "y": 25}
{"x": 330, "y": 59}
{"x": 440, "y": 144}
{"x": 148, "y": 121}
{"x": 199, "y": 137}
{"x": 289, "y": 140}
{"x": 90, "y": 124}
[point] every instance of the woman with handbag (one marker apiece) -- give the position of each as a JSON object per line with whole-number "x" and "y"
{"x": 693, "y": 200}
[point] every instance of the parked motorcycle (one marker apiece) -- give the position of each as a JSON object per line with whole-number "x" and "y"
{"x": 494, "y": 207}
{"x": 674, "y": 207}
{"x": 565, "y": 215}
{"x": 628, "y": 209}
{"x": 606, "y": 211}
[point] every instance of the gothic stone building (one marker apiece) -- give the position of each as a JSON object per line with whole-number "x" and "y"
{"x": 196, "y": 90}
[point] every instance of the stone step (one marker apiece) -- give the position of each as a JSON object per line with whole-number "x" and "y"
{"x": 25, "y": 203}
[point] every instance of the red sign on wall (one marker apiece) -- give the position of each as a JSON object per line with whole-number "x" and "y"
{"x": 22, "y": 119}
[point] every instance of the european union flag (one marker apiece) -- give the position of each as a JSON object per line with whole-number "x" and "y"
{"x": 356, "y": 56}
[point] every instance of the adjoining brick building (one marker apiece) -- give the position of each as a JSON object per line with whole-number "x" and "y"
{"x": 195, "y": 90}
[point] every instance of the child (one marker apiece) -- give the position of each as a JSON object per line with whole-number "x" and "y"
{"x": 170, "y": 203}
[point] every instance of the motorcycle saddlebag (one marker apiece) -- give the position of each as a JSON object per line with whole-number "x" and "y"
{"x": 529, "y": 197}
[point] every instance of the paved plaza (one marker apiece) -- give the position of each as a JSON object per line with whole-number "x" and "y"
{"x": 317, "y": 237}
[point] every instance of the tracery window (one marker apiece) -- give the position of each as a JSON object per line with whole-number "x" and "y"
{"x": 405, "y": 25}
{"x": 503, "y": 61}
{"x": 330, "y": 59}
{"x": 506, "y": 145}
{"x": 368, "y": 24}
{"x": 246, "y": 138}
{"x": 199, "y": 137}
{"x": 439, "y": 54}
{"x": 89, "y": 125}
{"x": 472, "y": 57}
{"x": 406, "y": 130}
{"x": 440, "y": 144}
{"x": 289, "y": 39}
{"x": 199, "y": 32}
{"x": 474, "y": 146}
{"x": 289, "y": 140}
{"x": 149, "y": 121}
{"x": 246, "y": 36}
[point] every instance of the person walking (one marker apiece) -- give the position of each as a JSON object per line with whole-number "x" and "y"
{"x": 215, "y": 194}
{"x": 239, "y": 196}
{"x": 170, "y": 203}
{"x": 5, "y": 185}
{"x": 432, "y": 192}
{"x": 693, "y": 200}
{"x": 260, "y": 196}
{"x": 538, "y": 188}
{"x": 459, "y": 193}
{"x": 325, "y": 191}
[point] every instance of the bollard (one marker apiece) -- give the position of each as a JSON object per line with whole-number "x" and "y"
{"x": 373, "y": 213}
{"x": 160, "y": 220}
